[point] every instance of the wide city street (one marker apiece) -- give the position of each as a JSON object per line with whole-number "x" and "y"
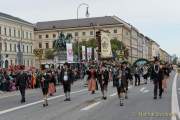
{"x": 140, "y": 104}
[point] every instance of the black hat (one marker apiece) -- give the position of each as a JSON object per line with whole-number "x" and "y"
{"x": 67, "y": 64}
{"x": 156, "y": 59}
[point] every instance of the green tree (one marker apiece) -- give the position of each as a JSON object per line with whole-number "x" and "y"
{"x": 90, "y": 43}
{"x": 175, "y": 60}
{"x": 49, "y": 54}
{"x": 117, "y": 45}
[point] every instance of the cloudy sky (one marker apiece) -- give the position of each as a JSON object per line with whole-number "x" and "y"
{"x": 157, "y": 19}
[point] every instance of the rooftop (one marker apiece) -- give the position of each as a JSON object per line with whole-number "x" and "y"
{"x": 73, "y": 23}
{"x": 13, "y": 18}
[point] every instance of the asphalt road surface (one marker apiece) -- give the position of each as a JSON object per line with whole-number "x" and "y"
{"x": 85, "y": 106}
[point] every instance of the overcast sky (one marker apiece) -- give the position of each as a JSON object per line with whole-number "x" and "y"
{"x": 157, "y": 19}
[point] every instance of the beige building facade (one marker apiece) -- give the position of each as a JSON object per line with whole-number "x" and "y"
{"x": 16, "y": 32}
{"x": 82, "y": 30}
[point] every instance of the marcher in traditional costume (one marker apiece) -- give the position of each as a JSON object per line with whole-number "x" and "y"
{"x": 52, "y": 84}
{"x": 92, "y": 80}
{"x": 66, "y": 77}
{"x": 120, "y": 84}
{"x": 45, "y": 85}
{"x": 21, "y": 83}
{"x": 157, "y": 76}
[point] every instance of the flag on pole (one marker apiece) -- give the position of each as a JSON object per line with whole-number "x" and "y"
{"x": 83, "y": 52}
{"x": 69, "y": 51}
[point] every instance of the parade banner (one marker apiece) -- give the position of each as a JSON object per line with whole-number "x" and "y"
{"x": 69, "y": 51}
{"x": 106, "y": 51}
{"x": 89, "y": 53}
{"x": 83, "y": 52}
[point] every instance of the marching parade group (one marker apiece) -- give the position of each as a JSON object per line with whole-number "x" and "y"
{"x": 95, "y": 74}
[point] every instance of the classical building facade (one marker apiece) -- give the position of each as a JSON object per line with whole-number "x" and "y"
{"x": 138, "y": 44}
{"x": 16, "y": 34}
{"x": 82, "y": 30}
{"x": 145, "y": 47}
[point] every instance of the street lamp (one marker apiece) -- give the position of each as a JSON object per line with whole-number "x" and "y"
{"x": 87, "y": 15}
{"x": 87, "y": 11}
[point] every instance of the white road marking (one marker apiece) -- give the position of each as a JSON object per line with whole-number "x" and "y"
{"x": 37, "y": 102}
{"x": 145, "y": 91}
{"x": 142, "y": 89}
{"x": 16, "y": 93}
{"x": 90, "y": 106}
{"x": 114, "y": 94}
{"x": 11, "y": 95}
{"x": 130, "y": 87}
{"x": 174, "y": 100}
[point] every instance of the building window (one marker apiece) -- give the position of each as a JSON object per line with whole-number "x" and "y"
{"x": 27, "y": 49}
{"x": 14, "y": 47}
{"x": 54, "y": 35}
{"x": 10, "y": 47}
{"x": 31, "y": 49}
{"x": 83, "y": 33}
{"x": 28, "y": 63}
{"x": 40, "y": 36}
{"x": 27, "y": 35}
{"x": 91, "y": 33}
{"x": 14, "y": 32}
{"x": 5, "y": 46}
{"x": 30, "y": 34}
{"x": 5, "y": 32}
{"x": 127, "y": 33}
{"x": 47, "y": 36}
{"x": 18, "y": 34}
{"x": 0, "y": 30}
{"x": 23, "y": 34}
{"x": 24, "y": 62}
{"x": 0, "y": 46}
{"x": 40, "y": 45}
{"x": 11, "y": 62}
{"x": 31, "y": 62}
{"x": 47, "y": 45}
{"x": 23, "y": 48}
{"x": 76, "y": 33}
{"x": 115, "y": 30}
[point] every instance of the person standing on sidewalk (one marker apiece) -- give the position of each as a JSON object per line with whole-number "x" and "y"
{"x": 21, "y": 83}
{"x": 66, "y": 77}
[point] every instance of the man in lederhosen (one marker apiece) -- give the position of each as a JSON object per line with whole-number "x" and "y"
{"x": 121, "y": 83}
{"x": 21, "y": 83}
{"x": 104, "y": 83}
{"x": 66, "y": 77}
{"x": 157, "y": 76}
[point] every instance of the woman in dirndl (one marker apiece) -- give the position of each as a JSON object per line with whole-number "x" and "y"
{"x": 166, "y": 77}
{"x": 52, "y": 83}
{"x": 92, "y": 80}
